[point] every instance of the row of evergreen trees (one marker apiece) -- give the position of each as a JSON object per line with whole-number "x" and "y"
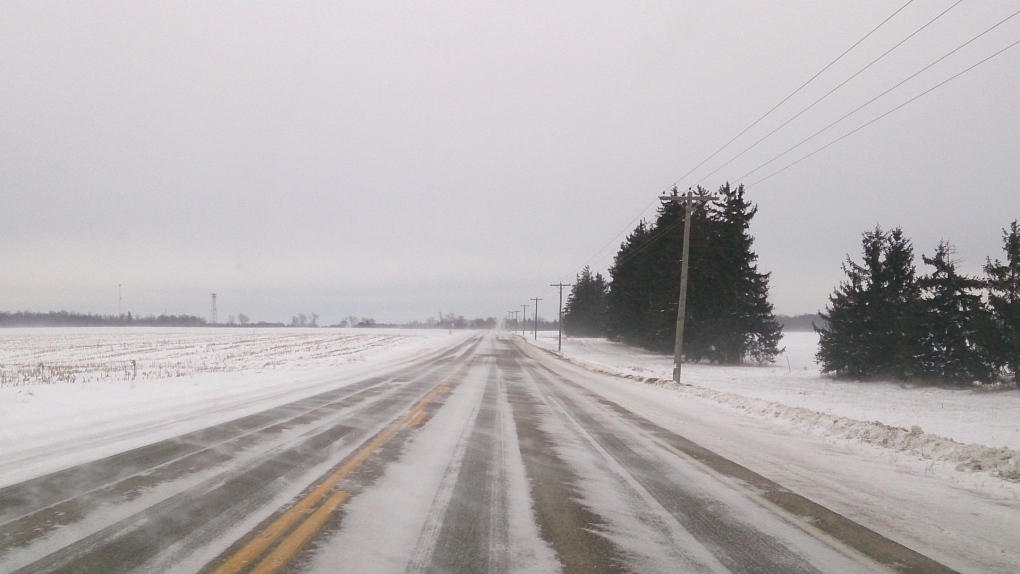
{"x": 885, "y": 321}
{"x": 729, "y": 317}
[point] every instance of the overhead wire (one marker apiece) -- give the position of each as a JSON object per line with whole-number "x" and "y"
{"x": 829, "y": 93}
{"x": 613, "y": 240}
{"x": 911, "y": 100}
{"x": 874, "y": 99}
{"x": 742, "y": 132}
{"x": 662, "y": 232}
{"x": 791, "y": 94}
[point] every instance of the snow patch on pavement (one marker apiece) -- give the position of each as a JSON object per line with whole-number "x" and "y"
{"x": 48, "y": 427}
{"x": 393, "y": 526}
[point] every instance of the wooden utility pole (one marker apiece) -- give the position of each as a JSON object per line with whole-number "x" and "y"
{"x": 559, "y": 339}
{"x": 524, "y": 320}
{"x": 688, "y": 199}
{"x": 536, "y": 300}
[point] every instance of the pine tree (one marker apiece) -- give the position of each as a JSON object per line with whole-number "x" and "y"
{"x": 844, "y": 345}
{"x": 728, "y": 315}
{"x": 1003, "y": 284}
{"x": 751, "y": 328}
{"x": 584, "y": 314}
{"x": 872, "y": 318}
{"x": 898, "y": 323}
{"x": 628, "y": 293}
{"x": 953, "y": 314}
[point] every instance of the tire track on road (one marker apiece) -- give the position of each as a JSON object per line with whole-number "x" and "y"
{"x": 130, "y": 542}
{"x": 853, "y": 539}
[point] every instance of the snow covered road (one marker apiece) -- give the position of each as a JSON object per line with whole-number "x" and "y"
{"x": 485, "y": 456}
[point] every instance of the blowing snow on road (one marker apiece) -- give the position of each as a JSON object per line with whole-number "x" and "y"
{"x": 478, "y": 453}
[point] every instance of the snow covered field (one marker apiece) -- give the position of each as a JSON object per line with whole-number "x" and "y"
{"x": 786, "y": 423}
{"x": 72, "y": 395}
{"x": 966, "y": 429}
{"x": 34, "y": 356}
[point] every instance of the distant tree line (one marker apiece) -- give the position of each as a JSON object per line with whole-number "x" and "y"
{"x": 529, "y": 325}
{"x": 71, "y": 319}
{"x": 445, "y": 321}
{"x": 729, "y": 318}
{"x": 302, "y": 320}
{"x": 887, "y": 322}
{"x": 805, "y": 322}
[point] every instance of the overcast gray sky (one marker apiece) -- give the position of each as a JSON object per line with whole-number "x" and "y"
{"x": 394, "y": 159}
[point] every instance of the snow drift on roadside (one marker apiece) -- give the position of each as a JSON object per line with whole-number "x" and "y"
{"x": 979, "y": 431}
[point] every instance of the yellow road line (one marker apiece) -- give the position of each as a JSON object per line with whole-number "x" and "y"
{"x": 243, "y": 557}
{"x": 290, "y": 546}
{"x": 417, "y": 419}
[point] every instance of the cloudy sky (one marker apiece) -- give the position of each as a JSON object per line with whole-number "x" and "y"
{"x": 396, "y": 159}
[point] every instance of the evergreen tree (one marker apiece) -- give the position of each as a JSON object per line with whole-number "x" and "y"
{"x": 844, "y": 342}
{"x": 872, "y": 318}
{"x": 750, "y": 328}
{"x": 644, "y": 290}
{"x": 1003, "y": 284}
{"x": 728, "y": 316}
{"x": 628, "y": 293}
{"x": 953, "y": 314}
{"x": 898, "y": 332}
{"x": 584, "y": 315}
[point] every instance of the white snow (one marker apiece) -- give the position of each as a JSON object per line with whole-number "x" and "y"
{"x": 393, "y": 526}
{"x": 969, "y": 521}
{"x": 848, "y": 446}
{"x": 973, "y": 429}
{"x": 187, "y": 379}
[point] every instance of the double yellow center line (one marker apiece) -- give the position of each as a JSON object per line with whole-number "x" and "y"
{"x": 314, "y": 520}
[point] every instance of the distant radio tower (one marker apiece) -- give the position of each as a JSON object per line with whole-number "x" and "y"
{"x": 120, "y": 301}
{"x": 212, "y": 314}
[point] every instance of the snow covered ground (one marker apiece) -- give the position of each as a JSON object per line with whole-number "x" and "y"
{"x": 964, "y": 429}
{"x": 73, "y": 395}
{"x": 818, "y": 438}
{"x": 34, "y": 356}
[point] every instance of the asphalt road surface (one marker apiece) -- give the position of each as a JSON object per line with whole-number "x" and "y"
{"x": 489, "y": 456}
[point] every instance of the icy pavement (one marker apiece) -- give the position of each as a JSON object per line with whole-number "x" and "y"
{"x": 187, "y": 379}
{"x": 478, "y": 452}
{"x": 968, "y": 520}
{"x": 971, "y": 429}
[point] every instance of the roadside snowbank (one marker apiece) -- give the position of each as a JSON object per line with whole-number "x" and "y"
{"x": 972, "y": 429}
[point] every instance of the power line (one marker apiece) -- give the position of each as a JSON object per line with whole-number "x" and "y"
{"x": 872, "y": 100}
{"x": 615, "y": 237}
{"x": 924, "y": 93}
{"x": 745, "y": 130}
{"x": 663, "y": 231}
{"x": 793, "y": 93}
{"x": 536, "y": 300}
{"x": 659, "y": 234}
{"x": 559, "y": 336}
{"x": 827, "y": 94}
{"x": 688, "y": 199}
